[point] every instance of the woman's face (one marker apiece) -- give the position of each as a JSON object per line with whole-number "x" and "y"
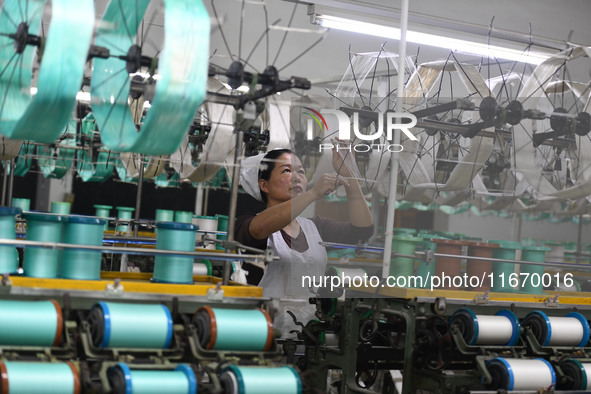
{"x": 287, "y": 180}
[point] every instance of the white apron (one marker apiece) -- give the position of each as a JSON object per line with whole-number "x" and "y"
{"x": 283, "y": 277}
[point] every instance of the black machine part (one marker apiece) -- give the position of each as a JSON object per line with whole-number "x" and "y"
{"x": 228, "y": 382}
{"x": 96, "y": 320}
{"x": 464, "y": 322}
{"x": 538, "y": 326}
{"x": 202, "y": 323}
{"x": 116, "y": 378}
{"x": 499, "y": 375}
{"x": 574, "y": 376}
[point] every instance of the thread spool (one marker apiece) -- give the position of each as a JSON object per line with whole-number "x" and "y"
{"x": 579, "y": 374}
{"x": 233, "y": 329}
{"x": 8, "y": 254}
{"x": 222, "y": 226}
{"x": 42, "y": 227}
{"x": 519, "y": 374}
{"x": 207, "y": 224}
{"x": 183, "y": 216}
{"x": 571, "y": 330}
{"x": 179, "y": 237}
{"x": 427, "y": 270}
{"x": 124, "y": 380}
{"x": 537, "y": 254}
{"x": 403, "y": 244}
{"x": 260, "y": 380}
{"x": 164, "y": 215}
{"x": 78, "y": 263}
{"x": 202, "y": 268}
{"x": 124, "y": 213}
{"x": 60, "y": 207}
{"x": 449, "y": 266}
{"x": 480, "y": 268}
{"x": 114, "y": 324}
{"x": 501, "y": 329}
{"x": 20, "y": 377}
{"x": 506, "y": 250}
{"x": 22, "y": 203}
{"x": 30, "y": 323}
{"x": 104, "y": 212}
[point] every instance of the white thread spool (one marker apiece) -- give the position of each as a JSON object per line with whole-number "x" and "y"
{"x": 571, "y": 330}
{"x": 519, "y": 374}
{"x": 202, "y": 268}
{"x": 207, "y": 225}
{"x": 500, "y": 329}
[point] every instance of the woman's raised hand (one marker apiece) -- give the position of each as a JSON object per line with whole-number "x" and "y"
{"x": 327, "y": 184}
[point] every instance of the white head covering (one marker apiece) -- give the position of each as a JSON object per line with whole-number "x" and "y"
{"x": 249, "y": 174}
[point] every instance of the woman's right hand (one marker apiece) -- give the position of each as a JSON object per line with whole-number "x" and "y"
{"x": 327, "y": 184}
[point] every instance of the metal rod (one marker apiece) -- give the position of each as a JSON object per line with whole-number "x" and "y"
{"x": 4, "y": 182}
{"x": 579, "y": 240}
{"x": 389, "y": 229}
{"x": 138, "y": 196}
{"x": 233, "y": 202}
{"x": 139, "y": 251}
{"x": 10, "y": 184}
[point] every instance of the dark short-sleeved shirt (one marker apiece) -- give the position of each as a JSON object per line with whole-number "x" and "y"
{"x": 329, "y": 230}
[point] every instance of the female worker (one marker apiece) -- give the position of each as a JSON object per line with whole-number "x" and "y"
{"x": 281, "y": 182}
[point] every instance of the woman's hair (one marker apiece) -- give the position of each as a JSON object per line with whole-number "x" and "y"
{"x": 270, "y": 159}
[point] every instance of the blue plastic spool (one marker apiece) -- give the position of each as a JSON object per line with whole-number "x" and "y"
{"x": 507, "y": 376}
{"x": 125, "y": 380}
{"x": 546, "y": 335}
{"x": 116, "y": 325}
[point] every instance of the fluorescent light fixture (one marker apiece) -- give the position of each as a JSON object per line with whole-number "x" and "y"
{"x": 453, "y": 44}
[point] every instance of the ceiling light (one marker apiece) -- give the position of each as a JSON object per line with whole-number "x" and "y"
{"x": 453, "y": 44}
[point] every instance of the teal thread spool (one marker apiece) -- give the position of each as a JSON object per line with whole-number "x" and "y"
{"x": 178, "y": 237}
{"x": 124, "y": 213}
{"x": 260, "y": 380}
{"x": 403, "y": 244}
{"x": 183, "y": 216}
{"x": 164, "y": 215}
{"x": 233, "y": 329}
{"x": 22, "y": 203}
{"x": 116, "y": 324}
{"x": 427, "y": 270}
{"x": 23, "y": 377}
{"x": 103, "y": 211}
{"x": 506, "y": 250}
{"x": 124, "y": 380}
{"x": 78, "y": 263}
{"x": 60, "y": 207}
{"x": 8, "y": 254}
{"x": 30, "y": 323}
{"x": 537, "y": 254}
{"x": 222, "y": 226}
{"x": 42, "y": 227}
